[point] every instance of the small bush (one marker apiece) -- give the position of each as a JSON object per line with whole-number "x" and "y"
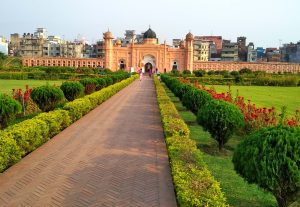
{"x": 101, "y": 83}
{"x": 186, "y": 72}
{"x": 270, "y": 157}
{"x": 195, "y": 99}
{"x": 211, "y": 72}
{"x": 108, "y": 80}
{"x": 199, "y": 73}
{"x": 47, "y": 97}
{"x": 234, "y": 73}
{"x": 221, "y": 119}
{"x": 89, "y": 84}
{"x": 175, "y": 72}
{"x": 245, "y": 71}
{"x": 8, "y": 109}
{"x": 72, "y": 90}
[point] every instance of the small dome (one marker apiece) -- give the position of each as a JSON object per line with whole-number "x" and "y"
{"x": 118, "y": 42}
{"x": 149, "y": 34}
{"x": 189, "y": 36}
{"x": 108, "y": 35}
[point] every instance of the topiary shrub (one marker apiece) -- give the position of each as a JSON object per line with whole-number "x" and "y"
{"x": 108, "y": 80}
{"x": 245, "y": 71}
{"x": 101, "y": 83}
{"x": 72, "y": 90}
{"x": 175, "y": 72}
{"x": 186, "y": 72}
{"x": 89, "y": 85}
{"x": 211, "y": 72}
{"x": 195, "y": 99}
{"x": 221, "y": 119}
{"x": 47, "y": 97}
{"x": 270, "y": 157}
{"x": 199, "y": 73}
{"x": 8, "y": 109}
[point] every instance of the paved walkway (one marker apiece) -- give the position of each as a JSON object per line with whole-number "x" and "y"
{"x": 114, "y": 156}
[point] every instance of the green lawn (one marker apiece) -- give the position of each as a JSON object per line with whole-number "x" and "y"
{"x": 6, "y": 86}
{"x": 237, "y": 191}
{"x": 268, "y": 96}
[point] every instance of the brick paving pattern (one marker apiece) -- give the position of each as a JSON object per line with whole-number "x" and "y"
{"x": 114, "y": 156}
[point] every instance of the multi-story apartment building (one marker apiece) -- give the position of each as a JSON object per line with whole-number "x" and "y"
{"x": 290, "y": 52}
{"x": 201, "y": 50}
{"x": 31, "y": 45}
{"x": 230, "y": 51}
{"x": 251, "y": 53}
{"x": 242, "y": 48}
{"x": 217, "y": 40}
{"x": 273, "y": 55}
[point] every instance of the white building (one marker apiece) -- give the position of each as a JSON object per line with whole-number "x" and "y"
{"x": 3, "y": 46}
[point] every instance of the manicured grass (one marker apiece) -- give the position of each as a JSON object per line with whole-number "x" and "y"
{"x": 237, "y": 191}
{"x": 267, "y": 96}
{"x": 6, "y": 86}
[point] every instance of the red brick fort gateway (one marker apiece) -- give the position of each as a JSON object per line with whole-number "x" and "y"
{"x": 150, "y": 54}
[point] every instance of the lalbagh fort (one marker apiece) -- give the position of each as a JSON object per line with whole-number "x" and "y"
{"x": 150, "y": 54}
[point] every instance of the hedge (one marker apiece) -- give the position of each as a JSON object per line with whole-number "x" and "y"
{"x": 20, "y": 139}
{"x": 194, "y": 184}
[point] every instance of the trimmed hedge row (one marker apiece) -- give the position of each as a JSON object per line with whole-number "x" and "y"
{"x": 20, "y": 139}
{"x": 194, "y": 184}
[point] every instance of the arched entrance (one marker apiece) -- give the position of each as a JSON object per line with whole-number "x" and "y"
{"x": 149, "y": 63}
{"x": 148, "y": 67}
{"x": 122, "y": 65}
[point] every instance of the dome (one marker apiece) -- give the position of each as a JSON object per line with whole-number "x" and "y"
{"x": 118, "y": 42}
{"x": 189, "y": 36}
{"x": 108, "y": 35}
{"x": 149, "y": 34}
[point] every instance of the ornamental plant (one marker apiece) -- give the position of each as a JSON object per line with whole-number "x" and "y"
{"x": 270, "y": 157}
{"x": 195, "y": 99}
{"x": 22, "y": 97}
{"x": 89, "y": 85}
{"x": 101, "y": 83}
{"x": 72, "y": 90}
{"x": 8, "y": 109}
{"x": 47, "y": 97}
{"x": 221, "y": 119}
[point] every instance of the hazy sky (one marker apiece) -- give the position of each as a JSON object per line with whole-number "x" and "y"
{"x": 264, "y": 22}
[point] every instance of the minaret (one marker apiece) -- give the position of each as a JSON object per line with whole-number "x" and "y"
{"x": 189, "y": 46}
{"x": 108, "y": 47}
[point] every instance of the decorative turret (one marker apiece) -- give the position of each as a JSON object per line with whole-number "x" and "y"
{"x": 118, "y": 43}
{"x": 189, "y": 46}
{"x": 108, "y": 45}
{"x": 189, "y": 36}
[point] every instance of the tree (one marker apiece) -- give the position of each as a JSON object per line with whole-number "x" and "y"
{"x": 221, "y": 119}
{"x": 270, "y": 157}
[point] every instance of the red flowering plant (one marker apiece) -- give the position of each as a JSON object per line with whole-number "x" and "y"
{"x": 22, "y": 96}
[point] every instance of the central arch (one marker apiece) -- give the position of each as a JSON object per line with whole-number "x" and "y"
{"x": 149, "y": 62}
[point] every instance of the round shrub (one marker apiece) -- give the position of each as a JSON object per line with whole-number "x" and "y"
{"x": 8, "y": 109}
{"x": 89, "y": 85}
{"x": 195, "y": 99}
{"x": 108, "y": 80}
{"x": 234, "y": 73}
{"x": 199, "y": 73}
{"x": 72, "y": 90}
{"x": 270, "y": 157}
{"x": 101, "y": 83}
{"x": 245, "y": 71}
{"x": 47, "y": 97}
{"x": 221, "y": 119}
{"x": 186, "y": 72}
{"x": 211, "y": 72}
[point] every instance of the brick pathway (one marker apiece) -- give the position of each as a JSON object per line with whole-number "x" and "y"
{"x": 114, "y": 156}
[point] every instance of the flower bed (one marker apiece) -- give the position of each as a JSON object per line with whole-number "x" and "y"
{"x": 194, "y": 184}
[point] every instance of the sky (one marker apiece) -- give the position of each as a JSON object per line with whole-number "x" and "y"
{"x": 267, "y": 23}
